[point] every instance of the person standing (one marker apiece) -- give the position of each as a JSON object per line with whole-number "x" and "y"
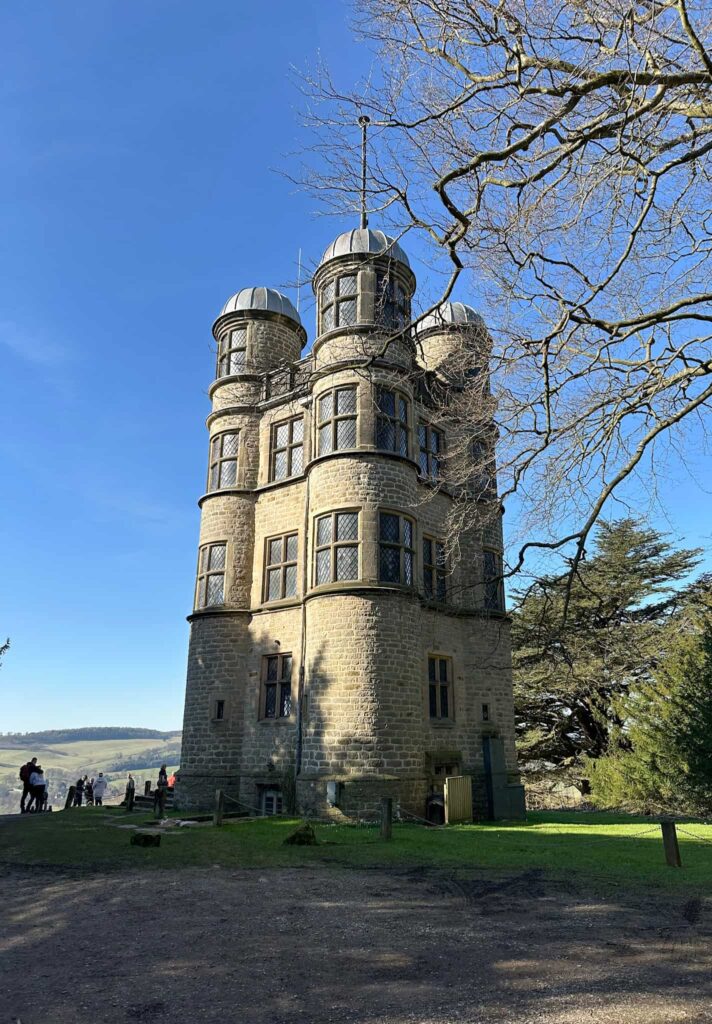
{"x": 25, "y": 773}
{"x": 159, "y": 797}
{"x": 37, "y": 790}
{"x": 79, "y": 792}
{"x": 99, "y": 788}
{"x": 130, "y": 791}
{"x": 89, "y": 792}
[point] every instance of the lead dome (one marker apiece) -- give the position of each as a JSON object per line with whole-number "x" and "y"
{"x": 451, "y": 315}
{"x": 365, "y": 241}
{"x": 264, "y": 299}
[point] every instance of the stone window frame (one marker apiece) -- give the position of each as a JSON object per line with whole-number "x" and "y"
{"x": 271, "y": 801}
{"x": 429, "y": 458}
{"x": 405, "y": 547}
{"x": 492, "y": 577}
{"x": 288, "y": 559}
{"x": 435, "y": 569}
{"x": 228, "y": 360}
{"x": 391, "y": 305}
{"x": 211, "y": 566}
{"x": 397, "y": 421}
{"x": 483, "y": 468}
{"x": 217, "y": 459}
{"x": 290, "y": 448}
{"x": 439, "y": 686}
{"x": 335, "y": 297}
{"x": 276, "y": 687}
{"x": 334, "y": 544}
{"x": 331, "y": 425}
{"x": 219, "y": 709}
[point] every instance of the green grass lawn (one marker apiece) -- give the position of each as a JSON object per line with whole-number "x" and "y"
{"x": 600, "y": 848}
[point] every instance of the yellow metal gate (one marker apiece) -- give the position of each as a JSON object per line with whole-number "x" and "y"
{"x": 458, "y": 799}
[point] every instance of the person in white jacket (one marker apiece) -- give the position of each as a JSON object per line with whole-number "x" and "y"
{"x": 100, "y": 787}
{"x": 38, "y": 790}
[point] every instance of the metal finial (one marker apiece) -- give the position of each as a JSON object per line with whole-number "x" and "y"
{"x": 364, "y": 121}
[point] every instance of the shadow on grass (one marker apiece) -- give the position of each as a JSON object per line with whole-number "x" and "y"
{"x": 624, "y": 852}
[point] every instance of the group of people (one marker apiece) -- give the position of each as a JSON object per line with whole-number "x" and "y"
{"x": 90, "y": 791}
{"x": 86, "y": 791}
{"x": 34, "y": 788}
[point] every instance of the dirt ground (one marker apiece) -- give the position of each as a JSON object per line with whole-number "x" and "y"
{"x": 374, "y": 947}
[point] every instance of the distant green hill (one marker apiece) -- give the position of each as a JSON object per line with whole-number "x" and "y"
{"x": 119, "y": 732}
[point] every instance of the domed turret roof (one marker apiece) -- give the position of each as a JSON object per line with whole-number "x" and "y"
{"x": 268, "y": 299}
{"x": 451, "y": 314}
{"x": 365, "y": 240}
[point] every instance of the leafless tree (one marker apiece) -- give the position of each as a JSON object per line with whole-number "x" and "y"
{"x": 557, "y": 154}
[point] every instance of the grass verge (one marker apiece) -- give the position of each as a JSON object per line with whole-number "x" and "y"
{"x": 603, "y": 848}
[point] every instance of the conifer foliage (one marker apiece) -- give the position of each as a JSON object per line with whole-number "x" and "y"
{"x": 665, "y": 763}
{"x": 583, "y": 643}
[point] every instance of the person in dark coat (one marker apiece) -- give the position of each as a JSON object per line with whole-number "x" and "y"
{"x": 161, "y": 787}
{"x": 25, "y": 773}
{"x": 79, "y": 792}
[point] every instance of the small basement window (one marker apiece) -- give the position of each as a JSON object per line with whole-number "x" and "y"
{"x": 271, "y": 802}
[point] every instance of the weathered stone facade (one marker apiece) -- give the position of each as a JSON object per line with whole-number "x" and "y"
{"x": 326, "y": 668}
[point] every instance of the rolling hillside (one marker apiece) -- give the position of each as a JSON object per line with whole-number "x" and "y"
{"x": 66, "y": 754}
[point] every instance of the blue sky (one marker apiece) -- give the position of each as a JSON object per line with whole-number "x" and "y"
{"x": 138, "y": 190}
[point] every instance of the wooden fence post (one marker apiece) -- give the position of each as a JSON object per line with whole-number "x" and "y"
{"x": 147, "y": 788}
{"x": 670, "y": 844}
{"x": 219, "y": 807}
{"x": 386, "y": 818}
{"x": 70, "y": 797}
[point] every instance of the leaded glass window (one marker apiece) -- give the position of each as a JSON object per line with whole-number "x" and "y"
{"x": 223, "y": 460}
{"x": 391, "y": 303}
{"x": 493, "y": 580}
{"x": 430, "y": 448}
{"x": 339, "y": 299}
{"x": 336, "y": 420}
{"x": 396, "y": 549}
{"x": 287, "y": 448}
{"x": 281, "y": 568}
{"x": 434, "y": 570}
{"x": 210, "y": 589}
{"x": 336, "y": 549}
{"x": 483, "y": 474}
{"x": 392, "y": 421}
{"x": 276, "y": 686}
{"x": 232, "y": 352}
{"x": 440, "y": 688}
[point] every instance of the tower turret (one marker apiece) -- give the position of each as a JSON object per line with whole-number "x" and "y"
{"x": 257, "y": 330}
{"x": 451, "y": 331}
{"x": 363, "y": 286}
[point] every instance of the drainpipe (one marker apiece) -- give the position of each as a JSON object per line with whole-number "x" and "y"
{"x": 303, "y": 642}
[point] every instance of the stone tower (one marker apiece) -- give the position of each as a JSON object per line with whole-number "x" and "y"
{"x": 336, "y": 656}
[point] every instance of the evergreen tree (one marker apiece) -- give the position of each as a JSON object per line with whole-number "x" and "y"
{"x": 581, "y": 643}
{"x": 666, "y": 761}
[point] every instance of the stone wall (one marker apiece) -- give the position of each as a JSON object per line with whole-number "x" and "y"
{"x": 364, "y": 645}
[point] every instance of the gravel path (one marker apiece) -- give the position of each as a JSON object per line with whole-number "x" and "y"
{"x": 321, "y": 945}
